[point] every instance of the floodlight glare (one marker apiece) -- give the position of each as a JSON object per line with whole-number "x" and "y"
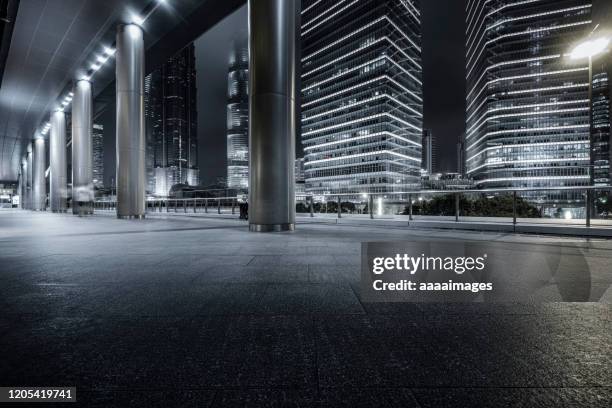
{"x": 590, "y": 48}
{"x": 136, "y": 19}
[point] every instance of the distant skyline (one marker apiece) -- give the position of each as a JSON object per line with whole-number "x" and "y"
{"x": 443, "y": 76}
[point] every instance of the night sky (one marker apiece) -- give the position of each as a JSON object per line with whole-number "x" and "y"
{"x": 443, "y": 77}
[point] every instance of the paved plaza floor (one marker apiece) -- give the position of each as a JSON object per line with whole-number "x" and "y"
{"x": 198, "y": 312}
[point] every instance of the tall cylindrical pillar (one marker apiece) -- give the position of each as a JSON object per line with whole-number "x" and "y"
{"x": 24, "y": 183}
{"x": 29, "y": 177}
{"x": 57, "y": 162}
{"x": 82, "y": 155}
{"x": 39, "y": 185}
{"x": 130, "y": 122}
{"x": 274, "y": 50}
{"x": 20, "y": 186}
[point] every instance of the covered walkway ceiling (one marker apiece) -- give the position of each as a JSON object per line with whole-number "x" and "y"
{"x": 54, "y": 41}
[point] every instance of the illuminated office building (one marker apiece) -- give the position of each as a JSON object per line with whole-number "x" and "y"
{"x": 600, "y": 131}
{"x": 238, "y": 116}
{"x": 430, "y": 152}
{"x": 527, "y": 101}
{"x": 361, "y": 95}
{"x": 97, "y": 136}
{"x": 171, "y": 115}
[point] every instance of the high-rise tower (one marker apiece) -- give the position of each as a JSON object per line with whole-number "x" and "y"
{"x": 527, "y": 101}
{"x": 361, "y": 95}
{"x": 238, "y": 116}
{"x": 97, "y": 136}
{"x": 171, "y": 114}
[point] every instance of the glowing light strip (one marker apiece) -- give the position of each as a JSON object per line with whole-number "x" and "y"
{"x": 361, "y": 85}
{"x": 530, "y": 161}
{"x": 358, "y": 67}
{"x": 471, "y": 32}
{"x": 472, "y": 61}
{"x": 550, "y": 88}
{"x": 315, "y": 18}
{"x": 473, "y": 18}
{"x": 322, "y": 145}
{"x": 311, "y": 6}
{"x": 534, "y": 113}
{"x": 511, "y": 146}
{"x": 352, "y": 105}
{"x": 491, "y": 180}
{"x": 529, "y": 130}
{"x": 540, "y": 74}
{"x": 352, "y": 156}
{"x": 405, "y": 3}
{"x": 547, "y": 13}
{"x": 501, "y": 64}
{"x": 378, "y": 20}
{"x": 378, "y": 115}
{"x": 304, "y": 32}
{"x": 357, "y": 50}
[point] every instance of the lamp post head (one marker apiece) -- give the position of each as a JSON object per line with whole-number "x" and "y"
{"x": 590, "y": 48}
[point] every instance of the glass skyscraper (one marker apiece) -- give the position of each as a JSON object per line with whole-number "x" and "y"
{"x": 600, "y": 132}
{"x": 97, "y": 137}
{"x": 361, "y": 95}
{"x": 171, "y": 115}
{"x": 527, "y": 101}
{"x": 238, "y": 116}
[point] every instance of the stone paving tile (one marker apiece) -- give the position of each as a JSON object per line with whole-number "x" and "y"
{"x": 254, "y": 274}
{"x": 386, "y": 351}
{"x": 266, "y": 398}
{"x": 309, "y": 298}
{"x": 152, "y": 398}
{"x": 367, "y": 397}
{"x": 234, "y": 319}
{"x": 333, "y": 273}
{"x": 514, "y": 397}
{"x": 288, "y": 260}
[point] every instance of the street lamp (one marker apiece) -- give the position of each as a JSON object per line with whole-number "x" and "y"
{"x": 590, "y": 49}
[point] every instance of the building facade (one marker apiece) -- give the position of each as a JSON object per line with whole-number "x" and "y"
{"x": 430, "y": 152}
{"x": 600, "y": 130}
{"x": 97, "y": 139}
{"x": 461, "y": 154}
{"x": 527, "y": 101}
{"x": 171, "y": 115}
{"x": 238, "y": 116}
{"x": 361, "y": 95}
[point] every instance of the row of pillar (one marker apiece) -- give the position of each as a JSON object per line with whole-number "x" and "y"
{"x": 274, "y": 57}
{"x": 130, "y": 142}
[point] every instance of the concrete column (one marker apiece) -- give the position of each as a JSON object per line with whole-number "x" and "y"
{"x": 39, "y": 185}
{"x": 24, "y": 183}
{"x": 130, "y": 122}
{"x": 57, "y": 162}
{"x": 20, "y": 187}
{"x": 29, "y": 177}
{"x": 82, "y": 155}
{"x": 274, "y": 55}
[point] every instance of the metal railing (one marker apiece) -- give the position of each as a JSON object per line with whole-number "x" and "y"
{"x": 369, "y": 203}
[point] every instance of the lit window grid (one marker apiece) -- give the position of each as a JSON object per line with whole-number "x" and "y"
{"x": 482, "y": 122}
{"x": 336, "y": 105}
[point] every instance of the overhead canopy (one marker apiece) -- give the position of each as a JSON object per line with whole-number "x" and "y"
{"x": 54, "y": 42}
